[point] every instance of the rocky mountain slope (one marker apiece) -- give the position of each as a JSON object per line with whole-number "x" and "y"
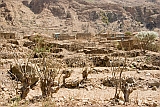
{"x": 68, "y": 16}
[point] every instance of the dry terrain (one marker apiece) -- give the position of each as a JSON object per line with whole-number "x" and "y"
{"x": 94, "y": 67}
{"x": 141, "y": 71}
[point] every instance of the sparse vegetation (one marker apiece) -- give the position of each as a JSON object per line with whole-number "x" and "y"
{"x": 84, "y": 69}
{"x": 128, "y": 34}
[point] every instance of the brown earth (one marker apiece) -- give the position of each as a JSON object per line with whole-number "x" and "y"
{"x": 142, "y": 74}
{"x": 46, "y": 17}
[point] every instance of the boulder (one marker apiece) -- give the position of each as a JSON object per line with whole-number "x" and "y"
{"x": 154, "y": 88}
{"x": 101, "y": 61}
{"x": 12, "y": 41}
{"x": 28, "y": 44}
{"x": 153, "y": 84}
{"x": 72, "y": 83}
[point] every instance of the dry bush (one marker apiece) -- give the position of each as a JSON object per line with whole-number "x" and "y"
{"x": 49, "y": 68}
{"x": 85, "y": 74}
{"x": 117, "y": 80}
{"x": 126, "y": 90}
{"x": 24, "y": 72}
{"x": 44, "y": 69}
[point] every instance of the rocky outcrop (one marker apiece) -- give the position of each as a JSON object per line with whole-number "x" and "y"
{"x": 146, "y": 15}
{"x": 5, "y": 13}
{"x": 53, "y": 16}
{"x": 93, "y": 15}
{"x": 56, "y": 9}
{"x": 87, "y": 11}
{"x": 37, "y": 6}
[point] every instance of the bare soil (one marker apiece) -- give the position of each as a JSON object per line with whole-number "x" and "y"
{"x": 92, "y": 93}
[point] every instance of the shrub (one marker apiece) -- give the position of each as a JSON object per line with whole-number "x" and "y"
{"x": 145, "y": 39}
{"x": 128, "y": 34}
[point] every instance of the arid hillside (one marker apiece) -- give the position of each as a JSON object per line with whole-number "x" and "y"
{"x": 79, "y": 53}
{"x": 68, "y": 16}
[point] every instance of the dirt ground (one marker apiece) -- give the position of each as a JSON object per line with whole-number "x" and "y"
{"x": 92, "y": 93}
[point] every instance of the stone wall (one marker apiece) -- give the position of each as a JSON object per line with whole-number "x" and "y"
{"x": 7, "y": 36}
{"x": 83, "y": 36}
{"x": 63, "y": 37}
{"x": 127, "y": 44}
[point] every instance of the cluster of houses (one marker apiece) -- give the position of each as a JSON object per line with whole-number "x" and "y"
{"x": 58, "y": 36}
{"x": 109, "y": 36}
{"x": 125, "y": 39}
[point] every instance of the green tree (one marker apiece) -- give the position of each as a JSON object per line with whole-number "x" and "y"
{"x": 145, "y": 39}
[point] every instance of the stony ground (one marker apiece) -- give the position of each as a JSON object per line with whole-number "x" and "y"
{"x": 142, "y": 71}
{"x": 143, "y": 75}
{"x": 66, "y": 17}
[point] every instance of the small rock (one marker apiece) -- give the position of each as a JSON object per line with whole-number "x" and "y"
{"x": 79, "y": 104}
{"x": 151, "y": 104}
{"x": 3, "y": 103}
{"x": 138, "y": 60}
{"x": 147, "y": 103}
{"x": 138, "y": 71}
{"x": 120, "y": 102}
{"x": 141, "y": 78}
{"x": 154, "y": 88}
{"x": 155, "y": 104}
{"x": 62, "y": 99}
{"x": 134, "y": 88}
{"x": 145, "y": 88}
{"x": 85, "y": 101}
{"x": 13, "y": 46}
{"x": 113, "y": 103}
{"x": 149, "y": 99}
{"x": 5, "y": 89}
{"x": 139, "y": 102}
{"x": 140, "y": 86}
{"x": 29, "y": 97}
{"x": 22, "y": 102}
{"x": 148, "y": 74}
{"x": 1, "y": 90}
